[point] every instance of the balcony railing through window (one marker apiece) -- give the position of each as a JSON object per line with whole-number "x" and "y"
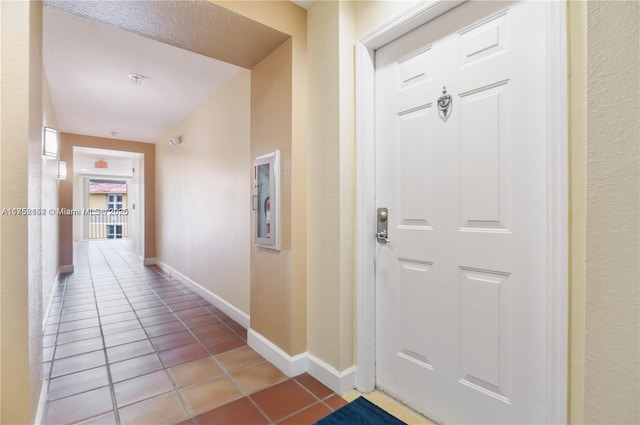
{"x": 108, "y": 224}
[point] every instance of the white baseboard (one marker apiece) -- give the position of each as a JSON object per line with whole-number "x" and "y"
{"x": 229, "y": 309}
{"x": 67, "y": 268}
{"x": 49, "y": 302}
{"x": 151, "y": 261}
{"x": 339, "y": 382}
{"x": 290, "y": 366}
{"x": 41, "y": 413}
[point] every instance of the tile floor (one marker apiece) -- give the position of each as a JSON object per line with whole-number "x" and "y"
{"x": 127, "y": 344}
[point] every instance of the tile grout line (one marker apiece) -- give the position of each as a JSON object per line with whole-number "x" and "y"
{"x": 246, "y": 394}
{"x": 225, "y": 372}
{"x": 317, "y": 401}
{"x": 155, "y": 349}
{"x": 157, "y": 283}
{"x": 55, "y": 347}
{"x": 114, "y": 403}
{"x": 165, "y": 368}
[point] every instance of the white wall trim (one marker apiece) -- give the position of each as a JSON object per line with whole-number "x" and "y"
{"x": 558, "y": 237}
{"x": 413, "y": 17}
{"x": 41, "y": 412}
{"x": 67, "y": 268}
{"x": 365, "y": 379}
{"x": 338, "y": 381}
{"x": 49, "y": 303}
{"x": 151, "y": 261}
{"x": 227, "y": 308}
{"x": 366, "y": 45}
{"x": 289, "y": 365}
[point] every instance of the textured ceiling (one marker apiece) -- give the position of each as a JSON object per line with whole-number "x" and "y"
{"x": 90, "y": 48}
{"x": 197, "y": 26}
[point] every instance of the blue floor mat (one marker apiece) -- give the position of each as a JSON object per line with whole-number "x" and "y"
{"x": 360, "y": 412}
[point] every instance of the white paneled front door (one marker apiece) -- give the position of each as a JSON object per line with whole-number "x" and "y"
{"x": 461, "y": 284}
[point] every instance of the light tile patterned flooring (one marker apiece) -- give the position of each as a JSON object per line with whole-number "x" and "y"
{"x": 126, "y": 344}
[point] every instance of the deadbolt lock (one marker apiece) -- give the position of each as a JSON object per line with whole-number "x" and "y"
{"x": 382, "y": 231}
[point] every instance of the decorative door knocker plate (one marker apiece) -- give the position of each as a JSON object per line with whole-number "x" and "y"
{"x": 444, "y": 102}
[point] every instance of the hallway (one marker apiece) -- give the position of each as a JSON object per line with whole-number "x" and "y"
{"x": 127, "y": 344}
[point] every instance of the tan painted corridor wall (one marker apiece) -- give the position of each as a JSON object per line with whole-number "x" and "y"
{"x": 605, "y": 231}
{"x": 20, "y": 187}
{"x": 203, "y": 208}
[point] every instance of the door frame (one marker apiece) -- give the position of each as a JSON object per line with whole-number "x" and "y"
{"x": 557, "y": 188}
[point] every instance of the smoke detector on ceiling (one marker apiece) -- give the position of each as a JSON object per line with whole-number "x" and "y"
{"x": 136, "y": 79}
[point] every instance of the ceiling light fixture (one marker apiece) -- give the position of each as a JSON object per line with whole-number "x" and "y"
{"x": 175, "y": 141}
{"x": 136, "y": 79}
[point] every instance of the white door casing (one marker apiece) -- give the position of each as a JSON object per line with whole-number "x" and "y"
{"x": 458, "y": 215}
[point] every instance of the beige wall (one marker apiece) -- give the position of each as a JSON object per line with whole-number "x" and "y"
{"x": 370, "y": 14}
{"x": 99, "y": 201}
{"x": 331, "y": 187}
{"x": 279, "y": 120}
{"x": 67, "y": 142}
{"x": 611, "y": 255}
{"x": 271, "y": 275}
{"x": 203, "y": 197}
{"x": 20, "y": 237}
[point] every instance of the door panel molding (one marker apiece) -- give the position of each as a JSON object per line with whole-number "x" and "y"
{"x": 558, "y": 190}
